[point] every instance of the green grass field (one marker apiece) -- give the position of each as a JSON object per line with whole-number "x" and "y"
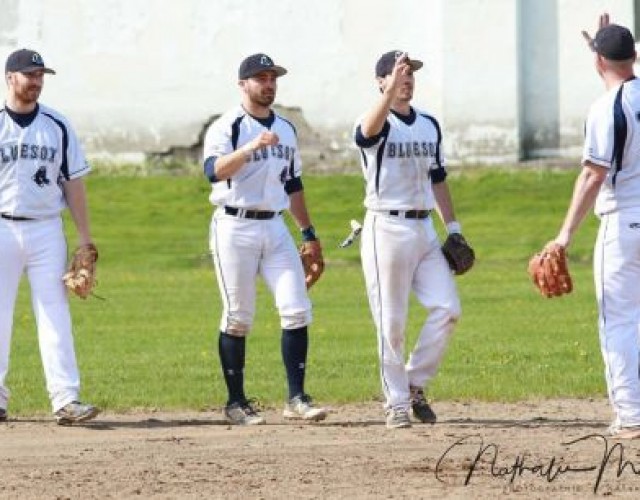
{"x": 152, "y": 343}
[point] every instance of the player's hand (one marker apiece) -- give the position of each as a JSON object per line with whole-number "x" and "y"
{"x": 602, "y": 22}
{"x": 401, "y": 70}
{"x": 315, "y": 249}
{"x": 265, "y": 138}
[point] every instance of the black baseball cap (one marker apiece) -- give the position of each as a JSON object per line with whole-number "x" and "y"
{"x": 256, "y": 63}
{"x": 25, "y": 61}
{"x": 387, "y": 61}
{"x": 615, "y": 43}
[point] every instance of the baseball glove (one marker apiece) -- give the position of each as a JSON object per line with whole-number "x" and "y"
{"x": 81, "y": 276}
{"x": 549, "y": 271}
{"x": 313, "y": 263}
{"x": 458, "y": 253}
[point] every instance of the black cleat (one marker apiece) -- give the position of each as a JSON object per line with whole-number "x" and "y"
{"x": 420, "y": 408}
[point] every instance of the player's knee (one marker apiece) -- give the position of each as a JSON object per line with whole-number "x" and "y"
{"x": 238, "y": 329}
{"x": 294, "y": 320}
{"x": 445, "y": 317}
{"x": 451, "y": 312}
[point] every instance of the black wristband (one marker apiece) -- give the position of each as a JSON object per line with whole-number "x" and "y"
{"x": 309, "y": 234}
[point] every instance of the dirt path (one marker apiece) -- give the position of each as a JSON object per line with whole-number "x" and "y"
{"x": 351, "y": 455}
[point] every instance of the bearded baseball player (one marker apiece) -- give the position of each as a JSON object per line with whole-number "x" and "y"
{"x": 41, "y": 171}
{"x": 610, "y": 180}
{"x": 403, "y": 165}
{"x": 252, "y": 160}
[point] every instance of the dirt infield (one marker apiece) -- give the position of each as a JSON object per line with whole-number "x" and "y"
{"x": 477, "y": 450}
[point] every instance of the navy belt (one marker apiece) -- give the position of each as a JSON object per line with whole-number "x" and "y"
{"x": 410, "y": 214}
{"x": 14, "y": 217}
{"x": 250, "y": 214}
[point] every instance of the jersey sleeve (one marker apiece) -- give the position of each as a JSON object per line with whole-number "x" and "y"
{"x": 368, "y": 142}
{"x": 599, "y": 135}
{"x": 217, "y": 141}
{"x": 438, "y": 171}
{"x": 78, "y": 164}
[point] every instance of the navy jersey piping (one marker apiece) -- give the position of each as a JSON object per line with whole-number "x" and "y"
{"x": 380, "y": 154}
{"x": 64, "y": 165}
{"x": 235, "y": 134}
{"x": 619, "y": 134}
{"x": 439, "y": 174}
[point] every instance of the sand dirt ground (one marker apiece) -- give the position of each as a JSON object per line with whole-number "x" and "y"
{"x": 537, "y": 449}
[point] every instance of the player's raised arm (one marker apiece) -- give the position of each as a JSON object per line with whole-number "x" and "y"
{"x": 391, "y": 74}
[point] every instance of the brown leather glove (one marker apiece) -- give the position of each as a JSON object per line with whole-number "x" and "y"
{"x": 312, "y": 261}
{"x": 81, "y": 276}
{"x": 549, "y": 271}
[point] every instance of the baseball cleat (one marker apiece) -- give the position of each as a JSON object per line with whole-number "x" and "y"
{"x": 419, "y": 406}
{"x": 398, "y": 418}
{"x": 3, "y": 415}
{"x": 617, "y": 432}
{"x": 242, "y": 413}
{"x": 75, "y": 412}
{"x": 300, "y": 407}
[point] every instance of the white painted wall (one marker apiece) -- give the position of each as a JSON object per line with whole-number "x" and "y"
{"x": 138, "y": 76}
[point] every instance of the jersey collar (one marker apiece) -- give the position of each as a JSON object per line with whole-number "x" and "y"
{"x": 23, "y": 119}
{"x": 406, "y": 119}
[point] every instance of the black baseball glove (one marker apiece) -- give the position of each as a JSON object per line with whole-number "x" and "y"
{"x": 458, "y": 253}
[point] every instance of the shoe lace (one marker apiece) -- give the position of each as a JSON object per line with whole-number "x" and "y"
{"x": 249, "y": 406}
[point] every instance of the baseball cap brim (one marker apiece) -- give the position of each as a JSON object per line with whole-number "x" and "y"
{"x": 278, "y": 70}
{"x": 31, "y": 69}
{"x": 387, "y": 61}
{"x": 415, "y": 64}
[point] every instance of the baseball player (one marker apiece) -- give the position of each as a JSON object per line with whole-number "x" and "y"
{"x": 610, "y": 180}
{"x": 403, "y": 165}
{"x": 251, "y": 158}
{"x": 41, "y": 170}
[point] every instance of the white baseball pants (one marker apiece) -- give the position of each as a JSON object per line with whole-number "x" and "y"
{"x": 242, "y": 249}
{"x": 400, "y": 255}
{"x": 39, "y": 247}
{"x": 617, "y": 282}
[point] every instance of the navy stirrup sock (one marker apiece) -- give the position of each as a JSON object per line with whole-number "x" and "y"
{"x": 232, "y": 355}
{"x": 295, "y": 343}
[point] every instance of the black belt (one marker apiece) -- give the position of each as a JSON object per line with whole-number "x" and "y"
{"x": 250, "y": 214}
{"x": 410, "y": 214}
{"x": 14, "y": 217}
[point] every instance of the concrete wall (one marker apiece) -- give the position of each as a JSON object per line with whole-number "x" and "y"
{"x": 508, "y": 78}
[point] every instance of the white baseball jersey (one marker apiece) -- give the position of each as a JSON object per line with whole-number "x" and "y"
{"x": 35, "y": 160}
{"x": 260, "y": 183}
{"x": 400, "y": 163}
{"x": 613, "y": 142}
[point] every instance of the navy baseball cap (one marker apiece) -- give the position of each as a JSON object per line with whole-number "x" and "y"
{"x": 615, "y": 43}
{"x": 256, "y": 63}
{"x": 25, "y": 61}
{"x": 387, "y": 61}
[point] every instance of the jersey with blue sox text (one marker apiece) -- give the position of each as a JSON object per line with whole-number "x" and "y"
{"x": 35, "y": 159}
{"x": 400, "y": 163}
{"x": 612, "y": 141}
{"x": 269, "y": 175}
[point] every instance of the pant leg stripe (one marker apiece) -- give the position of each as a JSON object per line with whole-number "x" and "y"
{"x": 380, "y": 323}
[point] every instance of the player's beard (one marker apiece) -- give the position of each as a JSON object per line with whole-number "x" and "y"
{"x": 27, "y": 94}
{"x": 262, "y": 97}
{"x": 264, "y": 100}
